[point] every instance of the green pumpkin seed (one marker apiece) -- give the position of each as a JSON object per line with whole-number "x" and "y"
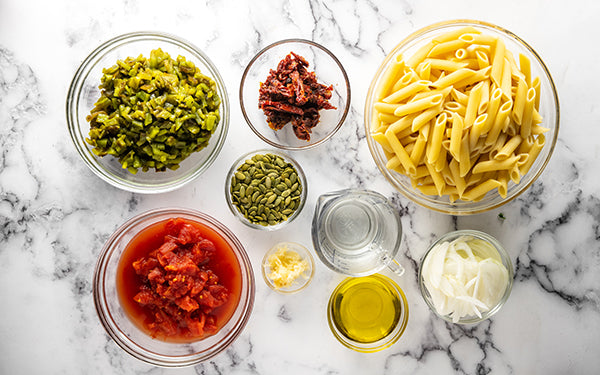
{"x": 265, "y": 189}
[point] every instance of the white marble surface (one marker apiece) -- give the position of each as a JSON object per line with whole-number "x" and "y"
{"x": 55, "y": 214}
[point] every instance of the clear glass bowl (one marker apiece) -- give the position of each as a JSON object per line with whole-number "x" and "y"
{"x": 549, "y": 110}
{"x": 300, "y": 282}
{"x": 138, "y": 343}
{"x": 329, "y": 71}
{"x": 235, "y": 210}
{"x": 470, "y": 319}
{"x": 361, "y": 286}
{"x": 84, "y": 92}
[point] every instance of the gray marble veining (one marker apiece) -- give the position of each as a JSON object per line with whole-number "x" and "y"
{"x": 55, "y": 215}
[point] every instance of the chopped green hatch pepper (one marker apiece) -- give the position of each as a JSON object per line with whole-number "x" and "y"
{"x": 153, "y": 113}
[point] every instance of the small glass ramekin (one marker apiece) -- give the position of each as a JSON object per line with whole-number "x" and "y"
{"x": 302, "y": 281}
{"x": 385, "y": 342}
{"x": 234, "y": 209}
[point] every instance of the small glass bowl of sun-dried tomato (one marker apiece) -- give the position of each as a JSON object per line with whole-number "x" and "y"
{"x": 173, "y": 287}
{"x": 294, "y": 94}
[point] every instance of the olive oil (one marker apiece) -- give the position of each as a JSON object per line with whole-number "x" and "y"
{"x": 366, "y": 309}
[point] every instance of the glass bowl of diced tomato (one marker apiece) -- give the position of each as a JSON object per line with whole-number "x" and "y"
{"x": 294, "y": 94}
{"x": 173, "y": 287}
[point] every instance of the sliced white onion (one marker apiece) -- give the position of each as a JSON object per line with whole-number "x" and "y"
{"x": 464, "y": 277}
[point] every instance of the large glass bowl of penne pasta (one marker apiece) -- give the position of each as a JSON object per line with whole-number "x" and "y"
{"x": 462, "y": 116}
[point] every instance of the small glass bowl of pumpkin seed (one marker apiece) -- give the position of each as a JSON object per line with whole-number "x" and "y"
{"x": 265, "y": 189}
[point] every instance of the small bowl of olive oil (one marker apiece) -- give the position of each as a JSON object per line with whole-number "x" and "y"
{"x": 367, "y": 314}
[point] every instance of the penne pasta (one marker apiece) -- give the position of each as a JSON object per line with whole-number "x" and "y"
{"x": 472, "y": 105}
{"x": 393, "y": 162}
{"x": 418, "y": 105}
{"x": 386, "y": 107}
{"x": 535, "y": 150}
{"x": 406, "y": 92}
{"x": 459, "y": 180}
{"x": 482, "y": 59}
{"x": 455, "y": 34}
{"x": 446, "y": 47}
{"x": 446, "y": 65}
{"x": 461, "y": 54}
{"x": 424, "y": 70}
{"x": 509, "y": 148}
{"x": 485, "y": 97}
{"x": 436, "y": 138}
{"x": 505, "y": 83}
{"x": 387, "y": 117}
{"x": 460, "y": 117}
{"x": 459, "y": 96}
{"x": 400, "y": 125}
{"x": 452, "y": 78}
{"x": 520, "y": 98}
{"x": 401, "y": 153}
{"x": 528, "y": 113}
{"x": 390, "y": 76}
{"x": 464, "y": 162}
{"x": 499, "y": 123}
{"x": 472, "y": 38}
{"x": 492, "y": 112}
{"x": 477, "y": 131}
{"x": 382, "y": 140}
{"x": 456, "y": 136}
{"x": 478, "y": 76}
{"x": 417, "y": 152}
{"x": 455, "y": 107}
{"x": 424, "y": 117}
{"x": 420, "y": 55}
{"x": 438, "y": 180}
{"x": 498, "y": 63}
{"x": 525, "y": 66}
{"x": 409, "y": 77}
{"x": 480, "y": 190}
{"x": 536, "y": 84}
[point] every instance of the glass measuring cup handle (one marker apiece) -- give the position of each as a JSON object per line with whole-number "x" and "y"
{"x": 396, "y": 267}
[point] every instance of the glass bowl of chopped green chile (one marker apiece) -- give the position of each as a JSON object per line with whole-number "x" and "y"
{"x": 265, "y": 189}
{"x": 148, "y": 112}
{"x": 294, "y": 94}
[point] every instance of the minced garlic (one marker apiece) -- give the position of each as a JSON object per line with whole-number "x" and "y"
{"x": 286, "y": 266}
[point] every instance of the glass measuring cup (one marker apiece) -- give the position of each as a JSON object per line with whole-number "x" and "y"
{"x": 357, "y": 232}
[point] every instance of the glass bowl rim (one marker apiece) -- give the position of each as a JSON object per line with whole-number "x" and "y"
{"x": 105, "y": 314}
{"x": 505, "y": 260}
{"x": 327, "y": 52}
{"x": 303, "y": 252}
{"x": 287, "y": 158}
{"x": 419, "y": 198}
{"x": 74, "y": 92}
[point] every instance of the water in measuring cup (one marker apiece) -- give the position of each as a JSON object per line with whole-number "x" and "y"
{"x": 357, "y": 234}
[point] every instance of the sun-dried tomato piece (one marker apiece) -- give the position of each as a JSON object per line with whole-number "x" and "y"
{"x": 292, "y": 94}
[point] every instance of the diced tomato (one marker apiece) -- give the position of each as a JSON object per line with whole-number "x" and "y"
{"x": 177, "y": 286}
{"x": 145, "y": 265}
{"x": 196, "y": 326}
